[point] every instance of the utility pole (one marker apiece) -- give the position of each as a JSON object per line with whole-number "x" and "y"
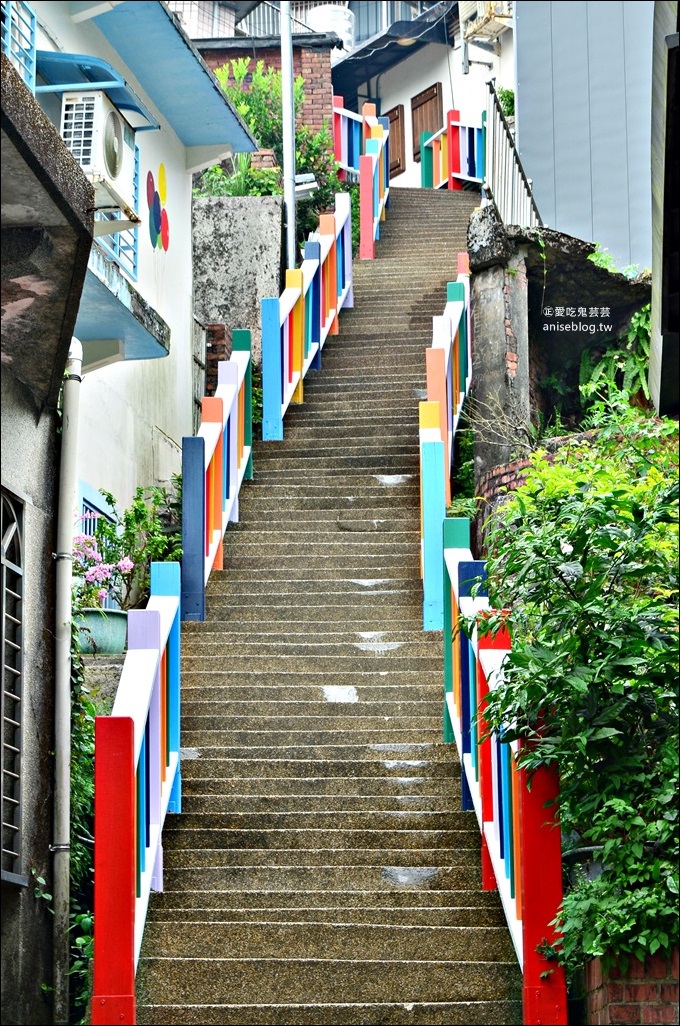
{"x": 288, "y": 124}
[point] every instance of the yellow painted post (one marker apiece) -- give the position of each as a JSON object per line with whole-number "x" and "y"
{"x": 297, "y": 327}
{"x": 435, "y": 369}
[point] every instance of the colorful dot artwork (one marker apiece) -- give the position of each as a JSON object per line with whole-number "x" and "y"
{"x": 159, "y": 226}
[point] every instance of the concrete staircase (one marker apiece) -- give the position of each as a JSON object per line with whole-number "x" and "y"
{"x": 322, "y": 871}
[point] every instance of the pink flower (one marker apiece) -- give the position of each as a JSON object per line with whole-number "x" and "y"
{"x": 125, "y": 565}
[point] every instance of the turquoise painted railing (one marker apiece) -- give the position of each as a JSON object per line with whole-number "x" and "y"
{"x": 448, "y": 363}
{"x": 214, "y": 465}
{"x": 361, "y": 143}
{"x": 296, "y": 325}
{"x": 520, "y": 836}
{"x": 137, "y": 781}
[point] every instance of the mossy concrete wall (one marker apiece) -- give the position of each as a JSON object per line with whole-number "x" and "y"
{"x": 237, "y": 242}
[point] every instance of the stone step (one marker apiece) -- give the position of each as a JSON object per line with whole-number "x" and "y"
{"x": 410, "y": 1013}
{"x": 403, "y": 898}
{"x": 335, "y": 789}
{"x": 286, "y": 857}
{"x": 339, "y": 804}
{"x": 341, "y": 761}
{"x": 363, "y": 683}
{"x": 231, "y": 742}
{"x": 275, "y": 824}
{"x": 353, "y": 879}
{"x": 337, "y": 941}
{"x": 223, "y": 980}
{"x": 246, "y": 713}
{"x": 447, "y": 916}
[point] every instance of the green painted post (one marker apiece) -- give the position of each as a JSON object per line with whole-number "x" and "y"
{"x": 241, "y": 341}
{"x": 426, "y": 162}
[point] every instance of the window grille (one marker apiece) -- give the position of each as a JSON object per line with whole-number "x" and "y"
{"x": 11, "y": 531}
{"x": 18, "y": 38}
{"x": 123, "y": 247}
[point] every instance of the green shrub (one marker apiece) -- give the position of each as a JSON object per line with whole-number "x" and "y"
{"x": 585, "y": 556}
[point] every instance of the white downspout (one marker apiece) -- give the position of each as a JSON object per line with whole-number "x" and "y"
{"x": 61, "y": 843}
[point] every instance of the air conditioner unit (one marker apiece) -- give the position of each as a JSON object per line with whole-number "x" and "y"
{"x": 103, "y": 143}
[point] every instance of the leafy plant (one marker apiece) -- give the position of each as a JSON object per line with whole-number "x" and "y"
{"x": 603, "y": 258}
{"x": 587, "y": 548}
{"x": 116, "y": 560}
{"x": 239, "y": 179}
{"x": 506, "y": 100}
{"x": 256, "y": 93}
{"x": 624, "y": 366}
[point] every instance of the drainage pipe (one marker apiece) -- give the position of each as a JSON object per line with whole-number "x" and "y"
{"x": 61, "y": 842}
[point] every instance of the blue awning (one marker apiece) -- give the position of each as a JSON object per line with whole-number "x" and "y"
{"x": 64, "y": 72}
{"x": 152, "y": 44}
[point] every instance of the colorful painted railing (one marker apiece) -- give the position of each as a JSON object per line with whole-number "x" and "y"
{"x": 505, "y": 182}
{"x": 374, "y": 180}
{"x": 137, "y": 782}
{"x": 214, "y": 465}
{"x": 348, "y": 140}
{"x": 448, "y": 364}
{"x": 453, "y": 155}
{"x": 296, "y": 325}
{"x": 521, "y": 841}
{"x": 361, "y": 144}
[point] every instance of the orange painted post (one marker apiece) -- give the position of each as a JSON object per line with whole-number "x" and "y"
{"x": 453, "y": 132}
{"x": 213, "y": 413}
{"x": 544, "y": 994}
{"x": 368, "y": 112}
{"x": 113, "y": 985}
{"x": 296, "y": 327}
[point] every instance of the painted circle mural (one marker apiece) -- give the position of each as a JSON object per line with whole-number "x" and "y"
{"x": 156, "y": 196}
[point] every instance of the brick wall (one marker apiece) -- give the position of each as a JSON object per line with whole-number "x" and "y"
{"x": 313, "y": 65}
{"x": 646, "y": 993}
{"x": 218, "y": 347}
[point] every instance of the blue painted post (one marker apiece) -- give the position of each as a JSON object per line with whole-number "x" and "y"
{"x": 385, "y": 122}
{"x": 433, "y": 512}
{"x": 272, "y": 372}
{"x": 166, "y": 580}
{"x": 313, "y": 304}
{"x": 193, "y": 529}
{"x": 373, "y": 150}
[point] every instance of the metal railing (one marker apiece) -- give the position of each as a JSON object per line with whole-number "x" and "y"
{"x": 505, "y": 182}
{"x": 137, "y": 781}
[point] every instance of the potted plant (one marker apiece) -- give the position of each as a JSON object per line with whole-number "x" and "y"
{"x": 112, "y": 565}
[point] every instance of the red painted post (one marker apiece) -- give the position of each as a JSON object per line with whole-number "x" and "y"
{"x": 453, "y": 132}
{"x": 113, "y": 985}
{"x": 544, "y": 993}
{"x": 366, "y": 240}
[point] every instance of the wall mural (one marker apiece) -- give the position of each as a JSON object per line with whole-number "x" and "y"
{"x": 156, "y": 196}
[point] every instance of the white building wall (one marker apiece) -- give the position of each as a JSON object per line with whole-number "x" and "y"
{"x": 434, "y": 63}
{"x": 135, "y": 413}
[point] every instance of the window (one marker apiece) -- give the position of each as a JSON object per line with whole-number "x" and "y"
{"x": 397, "y": 140}
{"x": 426, "y": 114}
{"x": 11, "y": 531}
